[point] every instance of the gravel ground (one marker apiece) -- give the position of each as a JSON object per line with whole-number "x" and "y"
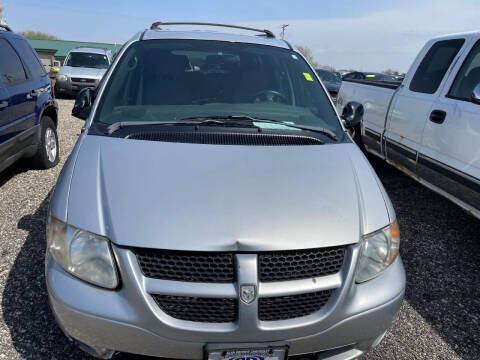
{"x": 439, "y": 319}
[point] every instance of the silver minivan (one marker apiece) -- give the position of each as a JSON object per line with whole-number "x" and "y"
{"x": 215, "y": 207}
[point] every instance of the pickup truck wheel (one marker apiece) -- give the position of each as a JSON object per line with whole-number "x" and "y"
{"x": 47, "y": 152}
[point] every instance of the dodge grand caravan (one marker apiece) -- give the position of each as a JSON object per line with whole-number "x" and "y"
{"x": 214, "y": 207}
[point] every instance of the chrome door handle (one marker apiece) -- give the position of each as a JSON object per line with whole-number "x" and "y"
{"x": 3, "y": 104}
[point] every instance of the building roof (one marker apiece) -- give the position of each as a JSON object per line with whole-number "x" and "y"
{"x": 62, "y": 47}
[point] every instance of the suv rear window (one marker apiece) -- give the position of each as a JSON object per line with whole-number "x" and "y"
{"x": 30, "y": 57}
{"x": 11, "y": 67}
{"x": 434, "y": 65}
{"x": 168, "y": 80}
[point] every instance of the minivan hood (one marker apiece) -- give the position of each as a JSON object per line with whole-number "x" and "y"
{"x": 82, "y": 72}
{"x": 222, "y": 197}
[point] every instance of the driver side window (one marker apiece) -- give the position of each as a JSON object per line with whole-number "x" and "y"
{"x": 468, "y": 76}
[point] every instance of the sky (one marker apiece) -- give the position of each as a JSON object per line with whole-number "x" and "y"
{"x": 367, "y": 35}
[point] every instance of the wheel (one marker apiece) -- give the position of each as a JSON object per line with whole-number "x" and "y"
{"x": 47, "y": 152}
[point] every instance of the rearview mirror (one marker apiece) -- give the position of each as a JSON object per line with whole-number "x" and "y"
{"x": 83, "y": 104}
{"x": 352, "y": 115}
{"x": 476, "y": 94}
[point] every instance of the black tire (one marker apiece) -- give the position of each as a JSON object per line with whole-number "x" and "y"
{"x": 43, "y": 159}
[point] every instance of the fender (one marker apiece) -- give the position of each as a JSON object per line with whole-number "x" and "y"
{"x": 49, "y": 108}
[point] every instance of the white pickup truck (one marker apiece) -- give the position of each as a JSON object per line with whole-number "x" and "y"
{"x": 428, "y": 126}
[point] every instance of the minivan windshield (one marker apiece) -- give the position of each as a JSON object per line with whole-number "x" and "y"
{"x": 87, "y": 60}
{"x": 170, "y": 80}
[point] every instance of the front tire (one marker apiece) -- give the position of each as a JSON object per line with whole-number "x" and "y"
{"x": 47, "y": 152}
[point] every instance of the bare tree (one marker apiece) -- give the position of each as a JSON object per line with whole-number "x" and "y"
{"x": 392, "y": 72}
{"x": 327, "y": 67}
{"x": 2, "y": 19}
{"x": 38, "y": 35}
{"x": 307, "y": 52}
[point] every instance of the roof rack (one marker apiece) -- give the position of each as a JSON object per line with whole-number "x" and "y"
{"x": 91, "y": 47}
{"x": 5, "y": 27}
{"x": 267, "y": 33}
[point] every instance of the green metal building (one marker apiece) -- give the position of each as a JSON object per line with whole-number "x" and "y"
{"x": 51, "y": 50}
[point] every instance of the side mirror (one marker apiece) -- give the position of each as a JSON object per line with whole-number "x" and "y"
{"x": 476, "y": 94}
{"x": 352, "y": 115}
{"x": 83, "y": 104}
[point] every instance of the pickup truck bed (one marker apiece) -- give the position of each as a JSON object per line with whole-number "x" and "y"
{"x": 428, "y": 126}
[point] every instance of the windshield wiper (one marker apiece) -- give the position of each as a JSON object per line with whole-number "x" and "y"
{"x": 220, "y": 120}
{"x": 322, "y": 131}
{"x": 121, "y": 124}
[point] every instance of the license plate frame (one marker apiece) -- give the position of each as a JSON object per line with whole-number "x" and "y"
{"x": 247, "y": 352}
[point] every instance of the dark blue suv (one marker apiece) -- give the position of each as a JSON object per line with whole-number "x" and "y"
{"x": 28, "y": 110}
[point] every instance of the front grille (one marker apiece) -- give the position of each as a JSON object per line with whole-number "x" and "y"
{"x": 186, "y": 266}
{"x": 83, "y": 80}
{"x": 300, "y": 264}
{"x": 211, "y": 310}
{"x": 293, "y": 306}
{"x": 224, "y": 138}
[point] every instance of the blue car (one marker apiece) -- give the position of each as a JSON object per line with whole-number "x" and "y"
{"x": 28, "y": 110}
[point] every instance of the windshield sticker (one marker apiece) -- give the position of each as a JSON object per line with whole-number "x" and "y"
{"x": 308, "y": 76}
{"x": 270, "y": 126}
{"x": 295, "y": 56}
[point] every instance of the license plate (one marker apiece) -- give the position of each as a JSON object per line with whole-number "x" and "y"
{"x": 248, "y": 354}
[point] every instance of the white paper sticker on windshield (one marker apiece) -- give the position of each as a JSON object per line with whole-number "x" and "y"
{"x": 271, "y": 126}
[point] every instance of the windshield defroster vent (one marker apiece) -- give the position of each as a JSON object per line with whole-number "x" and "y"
{"x": 223, "y": 138}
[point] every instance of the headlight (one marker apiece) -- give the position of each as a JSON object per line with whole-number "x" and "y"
{"x": 61, "y": 77}
{"x": 379, "y": 251}
{"x": 81, "y": 253}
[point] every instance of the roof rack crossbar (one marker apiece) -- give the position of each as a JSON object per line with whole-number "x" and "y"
{"x": 157, "y": 26}
{"x": 5, "y": 27}
{"x": 90, "y": 47}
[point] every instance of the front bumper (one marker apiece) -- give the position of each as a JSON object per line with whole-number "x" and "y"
{"x": 70, "y": 88}
{"x": 128, "y": 320}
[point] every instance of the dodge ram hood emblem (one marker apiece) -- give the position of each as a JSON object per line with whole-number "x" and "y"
{"x": 247, "y": 293}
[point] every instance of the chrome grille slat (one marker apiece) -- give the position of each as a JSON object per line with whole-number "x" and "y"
{"x": 83, "y": 80}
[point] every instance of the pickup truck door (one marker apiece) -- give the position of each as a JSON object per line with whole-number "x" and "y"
{"x": 450, "y": 154}
{"x": 412, "y": 104}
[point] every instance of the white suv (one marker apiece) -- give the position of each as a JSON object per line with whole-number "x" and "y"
{"x": 83, "y": 67}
